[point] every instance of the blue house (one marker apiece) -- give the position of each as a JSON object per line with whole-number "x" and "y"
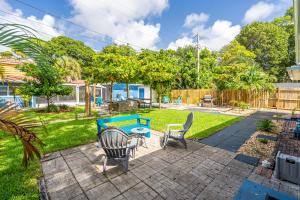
{"x": 136, "y": 91}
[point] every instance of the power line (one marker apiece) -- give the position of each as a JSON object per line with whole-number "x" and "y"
{"x": 37, "y": 22}
{"x": 71, "y": 22}
{"x": 35, "y": 30}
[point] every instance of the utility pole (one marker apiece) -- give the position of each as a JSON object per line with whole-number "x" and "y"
{"x": 198, "y": 54}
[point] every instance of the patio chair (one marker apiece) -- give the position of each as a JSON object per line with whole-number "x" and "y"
{"x": 99, "y": 101}
{"x": 178, "y": 100}
{"x": 178, "y": 134}
{"x": 116, "y": 146}
{"x": 166, "y": 99}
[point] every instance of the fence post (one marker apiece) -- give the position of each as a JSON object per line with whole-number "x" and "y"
{"x": 277, "y": 95}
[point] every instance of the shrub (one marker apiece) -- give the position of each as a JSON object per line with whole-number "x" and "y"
{"x": 262, "y": 140}
{"x": 52, "y": 108}
{"x": 64, "y": 107}
{"x": 233, "y": 103}
{"x": 265, "y": 125}
{"x": 244, "y": 105}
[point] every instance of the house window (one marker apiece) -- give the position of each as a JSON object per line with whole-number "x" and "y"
{"x": 3, "y": 90}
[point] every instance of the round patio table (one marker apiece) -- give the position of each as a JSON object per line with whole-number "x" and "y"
{"x": 141, "y": 132}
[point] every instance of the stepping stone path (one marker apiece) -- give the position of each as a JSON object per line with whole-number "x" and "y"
{"x": 247, "y": 159}
{"x": 268, "y": 137}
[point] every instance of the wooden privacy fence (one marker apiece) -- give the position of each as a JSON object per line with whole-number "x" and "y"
{"x": 280, "y": 98}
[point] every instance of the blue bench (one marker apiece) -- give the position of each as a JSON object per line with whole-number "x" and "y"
{"x": 102, "y": 123}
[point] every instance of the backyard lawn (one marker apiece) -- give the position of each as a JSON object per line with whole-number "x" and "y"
{"x": 19, "y": 183}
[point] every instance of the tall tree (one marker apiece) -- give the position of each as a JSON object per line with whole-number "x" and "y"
{"x": 235, "y": 53}
{"x": 146, "y": 69}
{"x": 269, "y": 42}
{"x": 107, "y": 69}
{"x": 286, "y": 22}
{"x": 242, "y": 76}
{"x": 65, "y": 46}
{"x": 44, "y": 80}
{"x": 188, "y": 73}
{"x": 69, "y": 67}
{"x": 159, "y": 69}
{"x": 127, "y": 55}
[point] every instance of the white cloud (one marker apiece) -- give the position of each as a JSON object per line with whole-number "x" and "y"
{"x": 219, "y": 34}
{"x": 260, "y": 11}
{"x": 123, "y": 20}
{"x": 194, "y": 19}
{"x": 45, "y": 27}
{"x": 181, "y": 42}
{"x": 213, "y": 37}
{"x": 264, "y": 11}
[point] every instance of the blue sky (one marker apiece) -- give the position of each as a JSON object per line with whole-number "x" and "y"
{"x": 150, "y": 24}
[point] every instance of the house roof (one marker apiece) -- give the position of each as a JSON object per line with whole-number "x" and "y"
{"x": 288, "y": 85}
{"x": 15, "y": 75}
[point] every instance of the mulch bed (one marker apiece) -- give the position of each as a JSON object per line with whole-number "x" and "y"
{"x": 253, "y": 147}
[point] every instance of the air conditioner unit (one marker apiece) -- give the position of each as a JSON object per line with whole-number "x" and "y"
{"x": 287, "y": 168}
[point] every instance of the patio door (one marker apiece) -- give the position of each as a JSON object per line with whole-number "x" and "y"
{"x": 141, "y": 93}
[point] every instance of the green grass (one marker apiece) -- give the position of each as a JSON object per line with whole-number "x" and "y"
{"x": 19, "y": 183}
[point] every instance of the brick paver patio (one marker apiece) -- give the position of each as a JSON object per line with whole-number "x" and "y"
{"x": 200, "y": 172}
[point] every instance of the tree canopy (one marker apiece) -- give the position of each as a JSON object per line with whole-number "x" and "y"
{"x": 45, "y": 80}
{"x": 188, "y": 71}
{"x": 269, "y": 42}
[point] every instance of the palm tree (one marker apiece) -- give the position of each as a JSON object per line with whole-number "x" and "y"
{"x": 20, "y": 38}
{"x": 71, "y": 67}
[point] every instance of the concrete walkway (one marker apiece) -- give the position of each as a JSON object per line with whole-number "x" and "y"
{"x": 200, "y": 172}
{"x": 233, "y": 137}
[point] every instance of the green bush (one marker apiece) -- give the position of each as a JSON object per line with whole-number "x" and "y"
{"x": 233, "y": 103}
{"x": 64, "y": 107}
{"x": 265, "y": 125}
{"x": 53, "y": 108}
{"x": 244, "y": 105}
{"x": 262, "y": 140}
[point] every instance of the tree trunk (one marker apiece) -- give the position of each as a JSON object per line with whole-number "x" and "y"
{"x": 150, "y": 97}
{"x": 48, "y": 103}
{"x": 94, "y": 95}
{"x": 111, "y": 95}
{"x": 159, "y": 99}
{"x": 127, "y": 89}
{"x": 87, "y": 98}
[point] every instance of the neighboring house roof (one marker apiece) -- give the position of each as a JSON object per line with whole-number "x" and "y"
{"x": 11, "y": 72}
{"x": 15, "y": 75}
{"x": 288, "y": 85}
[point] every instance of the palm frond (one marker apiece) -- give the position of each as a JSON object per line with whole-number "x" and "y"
{"x": 19, "y": 126}
{"x": 23, "y": 39}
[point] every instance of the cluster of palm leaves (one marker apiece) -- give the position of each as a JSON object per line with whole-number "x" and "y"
{"x": 13, "y": 123}
{"x": 20, "y": 38}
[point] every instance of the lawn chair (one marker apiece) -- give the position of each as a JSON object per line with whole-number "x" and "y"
{"x": 166, "y": 99}
{"x": 178, "y": 100}
{"x": 99, "y": 101}
{"x": 178, "y": 134}
{"x": 116, "y": 146}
